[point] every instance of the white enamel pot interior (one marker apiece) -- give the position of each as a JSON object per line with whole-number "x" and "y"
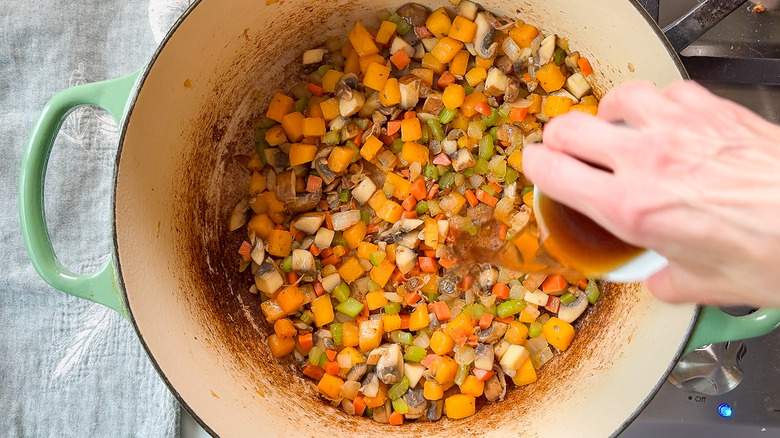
{"x": 176, "y": 184}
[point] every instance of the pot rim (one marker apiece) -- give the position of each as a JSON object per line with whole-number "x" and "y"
{"x": 115, "y": 247}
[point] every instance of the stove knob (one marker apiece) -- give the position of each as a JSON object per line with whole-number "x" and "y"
{"x": 711, "y": 370}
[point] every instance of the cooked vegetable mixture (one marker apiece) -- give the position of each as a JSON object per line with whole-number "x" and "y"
{"x": 398, "y": 141}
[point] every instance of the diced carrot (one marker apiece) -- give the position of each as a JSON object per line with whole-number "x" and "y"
{"x": 332, "y": 367}
{"x": 447, "y": 263}
{"x": 393, "y": 126}
{"x": 405, "y": 322}
{"x": 315, "y": 89}
{"x": 409, "y": 203}
{"x": 485, "y": 320}
{"x": 318, "y": 289}
{"x": 487, "y": 198}
{"x": 429, "y": 360}
{"x": 245, "y": 249}
{"x": 396, "y": 418}
{"x": 292, "y": 277}
{"x": 441, "y": 310}
{"x": 506, "y": 320}
{"x": 526, "y": 77}
{"x": 585, "y": 67}
{"x": 400, "y": 60}
{"x": 553, "y": 304}
{"x": 306, "y": 340}
{"x": 313, "y": 183}
{"x": 517, "y": 114}
{"x": 410, "y": 115}
{"x": 442, "y": 159}
{"x": 483, "y": 375}
{"x": 418, "y": 189}
{"x": 313, "y": 371}
{"x": 412, "y": 297}
{"x": 482, "y": 108}
{"x": 429, "y": 253}
{"x": 472, "y": 198}
{"x": 583, "y": 283}
{"x": 360, "y": 405}
{"x": 553, "y": 283}
{"x": 432, "y": 192}
{"x": 327, "y": 252}
{"x": 502, "y": 230}
{"x": 409, "y": 214}
{"x": 495, "y": 187}
{"x": 427, "y": 264}
{"x": 332, "y": 260}
{"x": 445, "y": 79}
{"x": 466, "y": 283}
{"x": 501, "y": 291}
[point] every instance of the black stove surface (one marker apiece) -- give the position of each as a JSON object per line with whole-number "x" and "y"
{"x": 738, "y": 59}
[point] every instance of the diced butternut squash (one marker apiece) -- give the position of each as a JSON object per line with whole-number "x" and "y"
{"x": 550, "y": 77}
{"x": 515, "y": 160}
{"x": 275, "y": 135}
{"x": 526, "y": 374}
{"x": 557, "y": 105}
{"x": 381, "y": 274}
{"x": 443, "y": 369}
{"x": 279, "y": 243}
{"x": 302, "y": 153}
{"x": 365, "y": 249}
{"x": 432, "y": 390}
{"x": 516, "y": 333}
{"x": 280, "y": 106}
{"x": 460, "y": 326}
{"x": 425, "y": 74}
{"x": 558, "y": 333}
{"x": 261, "y": 225}
{"x": 366, "y": 61}
{"x": 375, "y": 299}
{"x": 371, "y": 331}
{"x": 386, "y": 31}
{"x": 391, "y": 322}
{"x": 411, "y": 129}
{"x": 442, "y": 343}
{"x": 523, "y": 35}
{"x": 351, "y": 336}
{"x": 379, "y": 399}
{"x": 453, "y": 96}
{"x": 330, "y": 108}
{"x": 419, "y": 318}
{"x": 390, "y": 211}
{"x": 290, "y": 299}
{"x": 431, "y": 232}
{"x": 330, "y": 80}
{"x": 351, "y": 270}
{"x": 272, "y": 311}
{"x": 376, "y": 76}
{"x": 391, "y": 93}
{"x": 371, "y": 146}
{"x": 411, "y": 152}
{"x": 362, "y": 41}
{"x": 470, "y": 102}
{"x": 476, "y": 76}
{"x": 463, "y": 30}
{"x": 460, "y": 406}
{"x": 459, "y": 63}
{"x": 285, "y": 328}
{"x": 330, "y": 385}
{"x": 401, "y": 186}
{"x": 340, "y": 158}
{"x": 430, "y": 62}
{"x": 313, "y": 127}
{"x": 292, "y": 124}
{"x": 322, "y": 308}
{"x": 589, "y": 109}
{"x": 446, "y": 49}
{"x": 281, "y": 345}
{"x": 258, "y": 183}
{"x": 472, "y": 386}
{"x": 355, "y": 234}
{"x": 439, "y": 23}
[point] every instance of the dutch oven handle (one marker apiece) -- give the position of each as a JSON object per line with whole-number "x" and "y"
{"x": 101, "y": 286}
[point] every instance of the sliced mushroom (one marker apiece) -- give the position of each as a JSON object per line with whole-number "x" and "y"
{"x": 416, "y": 403}
{"x": 345, "y": 86}
{"x": 303, "y": 262}
{"x": 258, "y": 251}
{"x": 447, "y": 285}
{"x": 414, "y": 14}
{"x": 546, "y": 50}
{"x": 409, "y": 86}
{"x": 390, "y": 368}
{"x": 267, "y": 278}
{"x": 349, "y": 107}
{"x": 496, "y": 82}
{"x": 405, "y": 258}
{"x": 492, "y": 333}
{"x": 483, "y": 43}
{"x": 462, "y": 160}
{"x": 238, "y": 217}
{"x": 569, "y": 313}
{"x": 484, "y": 356}
{"x": 495, "y": 386}
{"x": 487, "y": 278}
{"x": 321, "y": 166}
{"x": 512, "y": 89}
{"x": 382, "y": 413}
{"x": 433, "y": 104}
{"x": 434, "y": 410}
{"x": 309, "y": 223}
{"x": 468, "y": 9}
{"x": 305, "y": 202}
{"x": 370, "y": 385}
{"x": 357, "y": 371}
{"x": 284, "y": 189}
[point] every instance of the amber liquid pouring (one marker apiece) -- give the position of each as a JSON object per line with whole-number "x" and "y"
{"x": 571, "y": 245}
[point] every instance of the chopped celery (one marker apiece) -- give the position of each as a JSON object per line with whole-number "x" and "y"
{"x": 399, "y": 389}
{"x": 504, "y": 110}
{"x": 264, "y": 123}
{"x": 432, "y": 296}
{"x": 307, "y": 317}
{"x": 337, "y": 330}
{"x": 421, "y": 207}
{"x": 489, "y": 190}
{"x": 486, "y": 147}
{"x": 376, "y": 258}
{"x": 323, "y": 69}
{"x": 559, "y": 56}
{"x": 401, "y": 337}
{"x": 397, "y": 145}
{"x": 526, "y": 190}
{"x": 332, "y": 138}
{"x": 481, "y": 167}
{"x": 373, "y": 285}
{"x": 491, "y": 119}
{"x": 431, "y": 172}
{"x": 300, "y": 105}
{"x": 314, "y": 355}
{"x": 461, "y": 374}
{"x": 350, "y": 307}
{"x": 414, "y": 354}
{"x": 510, "y": 307}
{"x": 592, "y": 291}
{"x": 339, "y": 239}
{"x": 287, "y": 264}
{"x": 471, "y": 228}
{"x": 392, "y": 308}
{"x": 511, "y": 175}
{"x": 436, "y": 131}
{"x": 356, "y": 151}
{"x": 388, "y": 189}
{"x": 341, "y": 292}
{"x": 403, "y": 27}
{"x": 535, "y": 329}
{"x": 446, "y": 180}
{"x": 362, "y": 123}
{"x": 468, "y": 172}
{"x": 400, "y": 406}
{"x": 365, "y": 217}
{"x": 425, "y": 135}
{"x": 469, "y": 89}
{"x": 568, "y": 298}
{"x": 344, "y": 195}
{"x": 447, "y": 115}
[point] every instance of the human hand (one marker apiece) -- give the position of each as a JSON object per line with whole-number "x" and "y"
{"x": 695, "y": 177}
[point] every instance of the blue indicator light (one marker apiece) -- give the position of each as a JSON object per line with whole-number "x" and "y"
{"x": 725, "y": 411}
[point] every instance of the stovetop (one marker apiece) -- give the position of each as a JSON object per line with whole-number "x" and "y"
{"x": 738, "y": 59}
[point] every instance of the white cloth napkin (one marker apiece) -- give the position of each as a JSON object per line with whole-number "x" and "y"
{"x": 70, "y": 367}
